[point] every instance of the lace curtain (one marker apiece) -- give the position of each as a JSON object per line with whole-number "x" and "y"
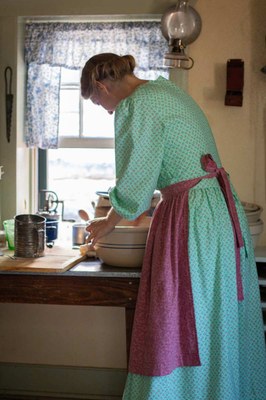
{"x": 51, "y": 46}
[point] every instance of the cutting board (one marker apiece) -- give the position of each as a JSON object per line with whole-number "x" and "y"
{"x": 57, "y": 259}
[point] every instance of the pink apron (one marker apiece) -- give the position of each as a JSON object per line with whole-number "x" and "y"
{"x": 164, "y": 334}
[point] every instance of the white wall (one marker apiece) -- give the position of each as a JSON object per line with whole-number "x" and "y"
{"x": 234, "y": 30}
{"x": 63, "y": 335}
{"x": 43, "y": 334}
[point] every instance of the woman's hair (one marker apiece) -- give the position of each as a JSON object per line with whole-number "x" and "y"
{"x": 104, "y": 66}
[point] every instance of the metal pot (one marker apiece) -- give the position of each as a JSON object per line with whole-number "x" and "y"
{"x": 51, "y": 230}
{"x": 51, "y": 225}
{"x": 79, "y": 234}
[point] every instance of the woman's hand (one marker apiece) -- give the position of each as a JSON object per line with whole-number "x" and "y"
{"x": 99, "y": 227}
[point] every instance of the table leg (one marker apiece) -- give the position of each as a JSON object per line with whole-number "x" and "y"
{"x": 129, "y": 325}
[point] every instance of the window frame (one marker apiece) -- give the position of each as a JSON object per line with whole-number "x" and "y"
{"x": 98, "y": 143}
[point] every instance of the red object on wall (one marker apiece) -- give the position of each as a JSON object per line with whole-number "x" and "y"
{"x": 234, "y": 83}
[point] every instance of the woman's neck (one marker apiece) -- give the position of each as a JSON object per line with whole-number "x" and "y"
{"x": 125, "y": 87}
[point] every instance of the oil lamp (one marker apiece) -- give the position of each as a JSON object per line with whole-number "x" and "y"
{"x": 180, "y": 25}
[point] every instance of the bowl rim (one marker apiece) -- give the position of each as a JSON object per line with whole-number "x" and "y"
{"x": 120, "y": 246}
{"x": 251, "y": 207}
{"x": 129, "y": 228}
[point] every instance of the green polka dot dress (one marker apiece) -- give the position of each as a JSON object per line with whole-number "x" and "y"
{"x": 161, "y": 135}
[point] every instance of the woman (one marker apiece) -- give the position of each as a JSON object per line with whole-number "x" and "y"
{"x": 198, "y": 332}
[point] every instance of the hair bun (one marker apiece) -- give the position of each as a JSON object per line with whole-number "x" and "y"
{"x": 131, "y": 61}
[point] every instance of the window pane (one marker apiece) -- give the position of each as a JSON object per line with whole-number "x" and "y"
{"x": 76, "y": 174}
{"x": 69, "y": 125}
{"x": 69, "y": 101}
{"x": 70, "y": 75}
{"x": 96, "y": 121}
{"x": 69, "y": 112}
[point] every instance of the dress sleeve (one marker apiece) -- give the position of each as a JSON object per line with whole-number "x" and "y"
{"x": 139, "y": 147}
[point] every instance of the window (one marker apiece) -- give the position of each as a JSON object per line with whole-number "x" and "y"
{"x": 76, "y": 136}
{"x": 75, "y": 174}
{"x": 76, "y": 114}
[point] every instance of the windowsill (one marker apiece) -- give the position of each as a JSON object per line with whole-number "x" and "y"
{"x": 106, "y": 143}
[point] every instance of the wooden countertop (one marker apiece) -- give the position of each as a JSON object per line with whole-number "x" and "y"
{"x": 64, "y": 260}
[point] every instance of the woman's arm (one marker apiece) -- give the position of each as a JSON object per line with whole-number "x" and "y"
{"x": 99, "y": 227}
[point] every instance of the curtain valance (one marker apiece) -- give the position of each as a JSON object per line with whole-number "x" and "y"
{"x": 71, "y": 44}
{"x": 52, "y": 46}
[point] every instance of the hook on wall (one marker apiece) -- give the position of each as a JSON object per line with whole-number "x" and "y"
{"x": 263, "y": 69}
{"x": 9, "y": 100}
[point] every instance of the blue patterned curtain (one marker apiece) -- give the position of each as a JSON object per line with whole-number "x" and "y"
{"x": 50, "y": 46}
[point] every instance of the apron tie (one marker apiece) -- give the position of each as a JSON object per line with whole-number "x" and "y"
{"x": 209, "y": 165}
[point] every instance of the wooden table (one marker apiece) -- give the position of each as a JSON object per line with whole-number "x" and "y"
{"x": 89, "y": 283}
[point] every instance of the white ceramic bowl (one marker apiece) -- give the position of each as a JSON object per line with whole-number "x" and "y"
{"x": 252, "y": 211}
{"x": 256, "y": 228}
{"x": 126, "y": 233}
{"x": 128, "y": 257}
{"x": 125, "y": 245}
